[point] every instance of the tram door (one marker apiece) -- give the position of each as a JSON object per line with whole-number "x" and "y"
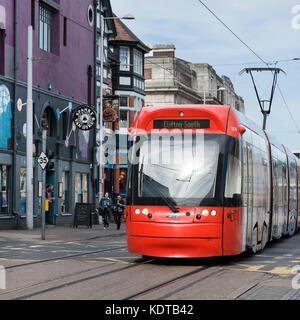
{"x": 250, "y": 240}
{"x": 247, "y": 194}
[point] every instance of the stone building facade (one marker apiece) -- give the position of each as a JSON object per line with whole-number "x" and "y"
{"x": 171, "y": 80}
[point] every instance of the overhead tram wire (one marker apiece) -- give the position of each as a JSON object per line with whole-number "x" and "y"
{"x": 245, "y": 44}
{"x": 261, "y": 59}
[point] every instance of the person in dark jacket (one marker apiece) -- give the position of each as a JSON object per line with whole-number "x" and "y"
{"x": 106, "y": 206}
{"x": 119, "y": 207}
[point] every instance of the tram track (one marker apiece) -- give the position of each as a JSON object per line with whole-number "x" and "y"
{"x": 172, "y": 281}
{"x": 74, "y": 282}
{"x": 135, "y": 296}
{"x": 64, "y": 257}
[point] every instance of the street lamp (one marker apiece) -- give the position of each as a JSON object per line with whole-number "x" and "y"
{"x": 99, "y": 126}
{"x": 211, "y": 90}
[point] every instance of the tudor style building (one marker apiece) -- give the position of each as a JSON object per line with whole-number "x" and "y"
{"x": 128, "y": 84}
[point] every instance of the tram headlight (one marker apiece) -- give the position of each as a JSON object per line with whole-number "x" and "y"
{"x": 145, "y": 212}
{"x": 137, "y": 211}
{"x": 205, "y": 213}
{"x": 213, "y": 213}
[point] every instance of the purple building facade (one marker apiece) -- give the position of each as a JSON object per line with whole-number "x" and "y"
{"x": 63, "y": 78}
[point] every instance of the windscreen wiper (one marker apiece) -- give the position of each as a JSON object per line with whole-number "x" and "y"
{"x": 166, "y": 200}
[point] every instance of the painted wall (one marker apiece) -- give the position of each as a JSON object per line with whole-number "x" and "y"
{"x": 66, "y": 67}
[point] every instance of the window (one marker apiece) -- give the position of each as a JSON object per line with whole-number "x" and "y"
{"x": 3, "y": 189}
{"x": 64, "y": 124}
{"x": 123, "y": 180}
{"x": 138, "y": 62}
{"x": 22, "y": 190}
{"x": 233, "y": 185}
{"x": 65, "y": 195}
{"x": 2, "y": 52}
{"x": 46, "y": 29}
{"x": 123, "y": 119}
{"x": 125, "y": 81}
{"x": 49, "y": 115}
{"x": 65, "y": 32}
{"x": 124, "y": 101}
{"x": 33, "y": 14}
{"x": 124, "y": 59}
{"x": 81, "y": 187}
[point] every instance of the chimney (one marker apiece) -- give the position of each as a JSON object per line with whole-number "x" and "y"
{"x": 164, "y": 50}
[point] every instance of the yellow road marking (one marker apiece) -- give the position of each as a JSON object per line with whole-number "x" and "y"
{"x": 281, "y": 271}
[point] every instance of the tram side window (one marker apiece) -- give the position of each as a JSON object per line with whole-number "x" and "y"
{"x": 233, "y": 185}
{"x": 284, "y": 185}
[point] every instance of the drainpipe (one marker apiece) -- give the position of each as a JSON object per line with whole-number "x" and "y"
{"x": 96, "y": 3}
{"x": 14, "y": 127}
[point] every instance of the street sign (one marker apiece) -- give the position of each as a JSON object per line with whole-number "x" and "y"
{"x": 43, "y": 160}
{"x": 111, "y": 109}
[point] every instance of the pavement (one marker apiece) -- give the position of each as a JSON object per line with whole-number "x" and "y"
{"x": 63, "y": 233}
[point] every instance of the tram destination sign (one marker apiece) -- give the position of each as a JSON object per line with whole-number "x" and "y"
{"x": 182, "y": 124}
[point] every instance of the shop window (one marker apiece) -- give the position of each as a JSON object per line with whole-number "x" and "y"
{"x": 81, "y": 187}
{"x": 22, "y": 190}
{"x": 65, "y": 193}
{"x": 123, "y": 180}
{"x": 3, "y": 190}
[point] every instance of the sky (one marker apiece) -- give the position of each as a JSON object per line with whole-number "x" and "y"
{"x": 271, "y": 28}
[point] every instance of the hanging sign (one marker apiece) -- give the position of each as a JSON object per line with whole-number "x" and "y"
{"x": 84, "y": 118}
{"x": 111, "y": 109}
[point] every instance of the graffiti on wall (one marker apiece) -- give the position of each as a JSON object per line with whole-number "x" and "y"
{"x": 5, "y": 116}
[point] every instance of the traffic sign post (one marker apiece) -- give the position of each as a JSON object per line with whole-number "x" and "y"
{"x": 43, "y": 160}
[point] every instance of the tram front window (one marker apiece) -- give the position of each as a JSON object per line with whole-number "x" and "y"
{"x": 183, "y": 170}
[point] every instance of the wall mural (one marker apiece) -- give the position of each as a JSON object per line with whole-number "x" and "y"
{"x": 5, "y": 116}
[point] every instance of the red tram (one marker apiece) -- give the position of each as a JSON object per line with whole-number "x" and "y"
{"x": 206, "y": 181}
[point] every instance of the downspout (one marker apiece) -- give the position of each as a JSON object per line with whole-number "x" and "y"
{"x": 95, "y": 170}
{"x": 14, "y": 127}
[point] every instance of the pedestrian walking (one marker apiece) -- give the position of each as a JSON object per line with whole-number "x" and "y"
{"x": 119, "y": 207}
{"x": 49, "y": 199}
{"x": 106, "y": 206}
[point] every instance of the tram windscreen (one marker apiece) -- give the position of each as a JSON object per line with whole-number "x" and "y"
{"x": 184, "y": 169}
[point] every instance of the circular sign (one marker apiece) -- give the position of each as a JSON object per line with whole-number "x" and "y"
{"x": 110, "y": 115}
{"x": 19, "y": 104}
{"x": 84, "y": 118}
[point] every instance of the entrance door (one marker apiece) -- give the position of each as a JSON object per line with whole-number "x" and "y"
{"x": 50, "y": 179}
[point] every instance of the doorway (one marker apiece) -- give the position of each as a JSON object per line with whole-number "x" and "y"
{"x": 50, "y": 179}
